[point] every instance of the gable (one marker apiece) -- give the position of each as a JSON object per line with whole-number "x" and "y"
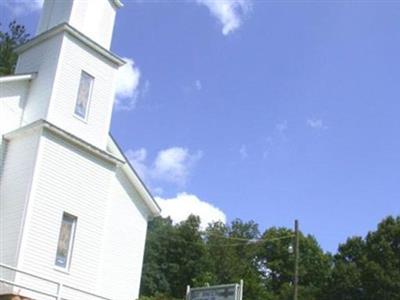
{"x": 134, "y": 179}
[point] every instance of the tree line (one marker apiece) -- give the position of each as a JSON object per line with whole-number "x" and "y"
{"x": 176, "y": 255}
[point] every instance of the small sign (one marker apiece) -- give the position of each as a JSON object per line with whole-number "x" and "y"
{"x": 219, "y": 292}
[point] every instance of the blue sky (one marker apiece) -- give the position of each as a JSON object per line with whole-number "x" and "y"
{"x": 263, "y": 110}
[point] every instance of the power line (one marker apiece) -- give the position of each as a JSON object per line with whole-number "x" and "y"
{"x": 254, "y": 240}
{"x": 244, "y": 241}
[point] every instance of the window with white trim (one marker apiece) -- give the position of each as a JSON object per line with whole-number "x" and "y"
{"x": 84, "y": 95}
{"x": 65, "y": 241}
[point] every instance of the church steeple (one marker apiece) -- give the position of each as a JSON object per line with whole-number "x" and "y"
{"x": 76, "y": 72}
{"x": 72, "y": 209}
{"x": 95, "y": 19}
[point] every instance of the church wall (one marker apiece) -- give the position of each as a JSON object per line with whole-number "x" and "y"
{"x": 70, "y": 180}
{"x": 125, "y": 237}
{"x": 74, "y": 59}
{"x": 12, "y": 99}
{"x": 46, "y": 173}
{"x": 54, "y": 12}
{"x": 15, "y": 183}
{"x": 95, "y": 19}
{"x": 43, "y": 59}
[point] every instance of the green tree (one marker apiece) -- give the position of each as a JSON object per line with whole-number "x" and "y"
{"x": 181, "y": 254}
{"x": 158, "y": 297}
{"x": 346, "y": 280}
{"x": 159, "y": 240}
{"x": 234, "y": 258}
{"x": 277, "y": 262}
{"x": 219, "y": 252}
{"x": 175, "y": 256}
{"x": 9, "y": 40}
{"x": 369, "y": 268}
{"x": 189, "y": 257}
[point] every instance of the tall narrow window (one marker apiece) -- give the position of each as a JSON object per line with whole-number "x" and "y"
{"x": 84, "y": 94}
{"x": 65, "y": 241}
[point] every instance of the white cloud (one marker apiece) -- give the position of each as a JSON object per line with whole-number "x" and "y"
{"x": 183, "y": 205}
{"x": 127, "y": 86}
{"x": 316, "y": 124}
{"x": 198, "y": 85}
{"x": 172, "y": 165}
{"x": 146, "y": 88}
{"x": 282, "y": 126}
{"x": 265, "y": 154}
{"x": 243, "y": 152}
{"x": 230, "y": 13}
{"x": 193, "y": 86}
{"x": 22, "y": 7}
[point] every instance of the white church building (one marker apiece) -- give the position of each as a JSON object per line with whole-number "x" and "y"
{"x": 73, "y": 212}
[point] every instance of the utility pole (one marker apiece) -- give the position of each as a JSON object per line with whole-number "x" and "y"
{"x": 296, "y": 260}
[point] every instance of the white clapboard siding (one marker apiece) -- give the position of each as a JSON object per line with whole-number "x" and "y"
{"x": 93, "y": 18}
{"x": 54, "y": 13}
{"x": 125, "y": 237}
{"x": 75, "y": 58}
{"x": 69, "y": 180}
{"x": 52, "y": 162}
{"x": 12, "y": 99}
{"x": 43, "y": 60}
{"x": 15, "y": 183}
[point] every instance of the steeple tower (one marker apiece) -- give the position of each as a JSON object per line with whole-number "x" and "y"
{"x": 95, "y": 19}
{"x": 74, "y": 87}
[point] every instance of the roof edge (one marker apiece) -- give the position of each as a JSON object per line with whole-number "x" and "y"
{"x": 43, "y": 124}
{"x": 17, "y": 77}
{"x": 117, "y": 3}
{"x": 121, "y": 162}
{"x": 134, "y": 178}
{"x": 65, "y": 27}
